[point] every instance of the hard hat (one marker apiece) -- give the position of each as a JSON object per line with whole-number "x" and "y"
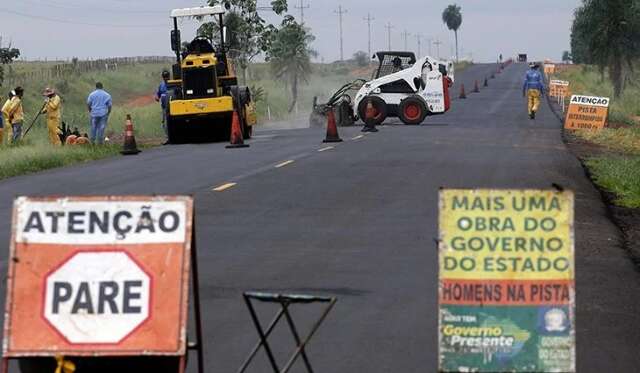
{"x": 166, "y": 74}
{"x": 48, "y": 92}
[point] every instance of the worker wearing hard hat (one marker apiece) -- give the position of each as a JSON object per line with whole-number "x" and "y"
{"x": 533, "y": 88}
{"x": 13, "y": 111}
{"x": 52, "y": 107}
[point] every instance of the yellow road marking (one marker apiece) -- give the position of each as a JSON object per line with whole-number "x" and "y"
{"x": 325, "y": 149}
{"x": 224, "y": 187}
{"x": 284, "y": 163}
{"x": 357, "y": 137}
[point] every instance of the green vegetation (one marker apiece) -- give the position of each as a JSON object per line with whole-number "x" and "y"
{"x": 27, "y": 158}
{"x": 290, "y": 56}
{"x": 127, "y": 85}
{"x": 587, "y": 80}
{"x": 619, "y": 175}
{"x": 132, "y": 88}
{"x": 606, "y": 33}
{"x": 619, "y": 172}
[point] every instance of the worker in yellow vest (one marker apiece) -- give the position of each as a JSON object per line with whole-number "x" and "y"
{"x": 7, "y": 132}
{"x": 13, "y": 111}
{"x": 53, "y": 107}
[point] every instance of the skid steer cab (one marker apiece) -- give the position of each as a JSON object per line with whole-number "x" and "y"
{"x": 406, "y": 88}
{"x": 204, "y": 91}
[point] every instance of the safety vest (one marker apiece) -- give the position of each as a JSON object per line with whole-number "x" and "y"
{"x": 53, "y": 108}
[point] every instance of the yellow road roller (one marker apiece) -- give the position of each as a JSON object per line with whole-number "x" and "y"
{"x": 204, "y": 90}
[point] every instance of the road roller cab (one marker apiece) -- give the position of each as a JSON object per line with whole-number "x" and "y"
{"x": 204, "y": 90}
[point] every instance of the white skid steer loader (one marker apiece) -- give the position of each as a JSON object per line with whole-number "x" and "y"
{"x": 406, "y": 88}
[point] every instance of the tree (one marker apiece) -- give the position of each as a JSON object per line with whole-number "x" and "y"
{"x": 361, "y": 58}
{"x": 290, "y": 56}
{"x": 607, "y": 33}
{"x": 566, "y": 56}
{"x": 453, "y": 18}
{"x": 7, "y": 55}
{"x": 248, "y": 33}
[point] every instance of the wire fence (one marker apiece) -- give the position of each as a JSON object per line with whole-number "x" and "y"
{"x": 73, "y": 67}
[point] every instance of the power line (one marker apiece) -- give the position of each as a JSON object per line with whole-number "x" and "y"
{"x": 419, "y": 40}
{"x": 389, "y": 26}
{"x": 56, "y": 20}
{"x": 340, "y": 12}
{"x": 302, "y": 7}
{"x": 405, "y": 36}
{"x": 53, "y": 4}
{"x": 437, "y": 44}
{"x": 368, "y": 18}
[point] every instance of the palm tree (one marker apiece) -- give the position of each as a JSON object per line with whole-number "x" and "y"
{"x": 290, "y": 56}
{"x": 453, "y": 18}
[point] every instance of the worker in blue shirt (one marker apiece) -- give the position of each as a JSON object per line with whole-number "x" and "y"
{"x": 99, "y": 105}
{"x": 533, "y": 88}
{"x": 162, "y": 96}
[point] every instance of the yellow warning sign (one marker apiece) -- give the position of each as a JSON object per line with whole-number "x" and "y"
{"x": 587, "y": 112}
{"x": 506, "y": 234}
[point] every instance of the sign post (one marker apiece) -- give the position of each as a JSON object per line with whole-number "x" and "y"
{"x": 587, "y": 113}
{"x": 507, "y": 291}
{"x": 101, "y": 277}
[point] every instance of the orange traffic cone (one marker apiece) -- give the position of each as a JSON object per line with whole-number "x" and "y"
{"x": 332, "y": 128}
{"x": 237, "y": 139}
{"x": 462, "y": 93}
{"x": 486, "y": 82}
{"x": 130, "y": 146}
{"x": 369, "y": 118}
{"x": 476, "y": 89}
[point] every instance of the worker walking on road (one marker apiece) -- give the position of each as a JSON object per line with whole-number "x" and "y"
{"x": 53, "y": 108}
{"x": 162, "y": 96}
{"x": 14, "y": 114}
{"x": 533, "y": 88}
{"x": 99, "y": 105}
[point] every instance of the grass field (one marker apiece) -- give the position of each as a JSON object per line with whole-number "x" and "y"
{"x": 619, "y": 172}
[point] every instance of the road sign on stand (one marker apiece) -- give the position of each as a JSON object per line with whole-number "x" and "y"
{"x": 587, "y": 113}
{"x": 507, "y": 288}
{"x": 101, "y": 276}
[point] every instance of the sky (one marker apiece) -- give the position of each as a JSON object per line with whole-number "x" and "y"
{"x": 61, "y": 29}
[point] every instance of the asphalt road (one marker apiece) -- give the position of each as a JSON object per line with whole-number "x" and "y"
{"x": 358, "y": 221}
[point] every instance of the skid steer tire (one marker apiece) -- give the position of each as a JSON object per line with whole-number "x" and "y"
{"x": 379, "y": 106}
{"x": 412, "y": 110}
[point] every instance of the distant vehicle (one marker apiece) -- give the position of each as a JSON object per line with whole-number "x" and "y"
{"x": 406, "y": 88}
{"x": 522, "y": 57}
{"x": 204, "y": 91}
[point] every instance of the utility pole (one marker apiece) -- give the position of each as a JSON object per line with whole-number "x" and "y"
{"x": 368, "y": 18}
{"x": 437, "y": 44}
{"x": 302, "y": 7}
{"x": 389, "y": 26}
{"x": 340, "y": 12}
{"x": 405, "y": 36}
{"x": 419, "y": 40}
